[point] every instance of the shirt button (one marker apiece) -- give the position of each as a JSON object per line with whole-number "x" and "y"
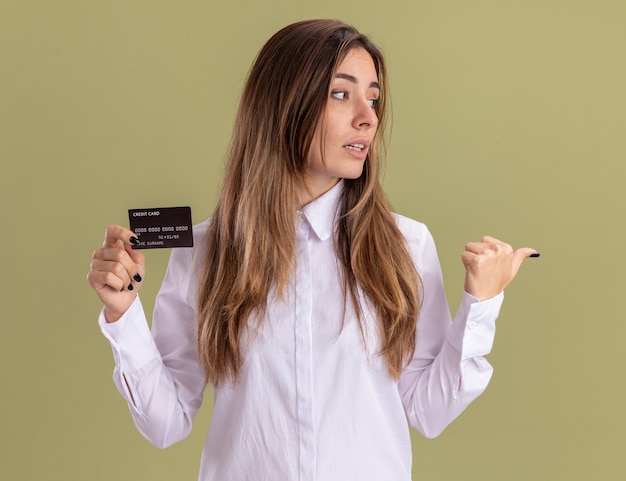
{"x": 472, "y": 325}
{"x": 301, "y": 216}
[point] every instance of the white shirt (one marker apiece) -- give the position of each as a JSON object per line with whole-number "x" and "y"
{"x": 313, "y": 403}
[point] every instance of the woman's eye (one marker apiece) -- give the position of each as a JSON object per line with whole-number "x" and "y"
{"x": 339, "y": 94}
{"x": 343, "y": 95}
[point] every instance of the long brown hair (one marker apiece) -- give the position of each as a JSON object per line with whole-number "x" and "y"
{"x": 251, "y": 239}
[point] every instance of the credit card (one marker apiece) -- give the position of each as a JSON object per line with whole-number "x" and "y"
{"x": 162, "y": 227}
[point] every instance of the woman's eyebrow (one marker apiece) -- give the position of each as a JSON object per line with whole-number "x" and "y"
{"x": 353, "y": 79}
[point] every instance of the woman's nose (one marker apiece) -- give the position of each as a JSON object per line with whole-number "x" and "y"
{"x": 365, "y": 115}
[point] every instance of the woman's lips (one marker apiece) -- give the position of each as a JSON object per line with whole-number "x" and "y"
{"x": 358, "y": 149}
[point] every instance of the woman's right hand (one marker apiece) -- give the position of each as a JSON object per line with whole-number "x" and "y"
{"x": 117, "y": 271}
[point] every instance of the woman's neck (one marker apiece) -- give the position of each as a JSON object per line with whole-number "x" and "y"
{"x": 311, "y": 190}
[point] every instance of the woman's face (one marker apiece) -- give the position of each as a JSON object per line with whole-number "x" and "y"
{"x": 349, "y": 124}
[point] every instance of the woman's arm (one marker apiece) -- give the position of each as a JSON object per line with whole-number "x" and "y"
{"x": 157, "y": 371}
{"x": 448, "y": 370}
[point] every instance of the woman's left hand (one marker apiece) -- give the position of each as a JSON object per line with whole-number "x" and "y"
{"x": 491, "y": 265}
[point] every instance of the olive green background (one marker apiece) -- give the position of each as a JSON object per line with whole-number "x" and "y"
{"x": 508, "y": 120}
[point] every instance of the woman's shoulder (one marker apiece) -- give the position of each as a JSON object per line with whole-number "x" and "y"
{"x": 411, "y": 228}
{"x": 187, "y": 257}
{"x": 185, "y": 263}
{"x": 419, "y": 240}
{"x": 199, "y": 232}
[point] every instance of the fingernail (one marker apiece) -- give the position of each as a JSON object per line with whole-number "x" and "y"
{"x": 137, "y": 277}
{"x": 536, "y": 254}
{"x": 130, "y": 287}
{"x": 134, "y": 241}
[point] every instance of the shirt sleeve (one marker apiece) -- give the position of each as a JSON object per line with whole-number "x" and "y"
{"x": 157, "y": 370}
{"x": 448, "y": 370}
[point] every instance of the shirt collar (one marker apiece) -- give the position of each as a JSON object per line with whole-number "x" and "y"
{"x": 321, "y": 212}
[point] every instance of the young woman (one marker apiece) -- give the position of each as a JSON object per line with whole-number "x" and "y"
{"x": 318, "y": 315}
